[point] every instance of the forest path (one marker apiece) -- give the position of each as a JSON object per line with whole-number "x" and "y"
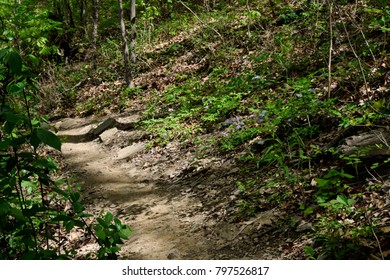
{"x": 161, "y": 227}
{"x": 176, "y": 211}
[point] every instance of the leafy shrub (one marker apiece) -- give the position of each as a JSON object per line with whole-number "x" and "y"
{"x": 32, "y": 214}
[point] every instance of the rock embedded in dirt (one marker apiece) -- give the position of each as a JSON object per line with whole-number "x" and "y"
{"x": 107, "y": 135}
{"x": 131, "y": 151}
{"x": 71, "y": 123}
{"x": 369, "y": 144}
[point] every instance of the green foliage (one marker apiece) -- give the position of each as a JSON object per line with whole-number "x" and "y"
{"x": 110, "y": 232}
{"x": 331, "y": 185}
{"x": 28, "y": 27}
{"x": 31, "y": 203}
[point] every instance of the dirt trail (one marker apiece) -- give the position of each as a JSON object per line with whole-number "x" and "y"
{"x": 172, "y": 215}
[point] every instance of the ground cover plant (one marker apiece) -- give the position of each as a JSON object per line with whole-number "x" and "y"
{"x": 285, "y": 88}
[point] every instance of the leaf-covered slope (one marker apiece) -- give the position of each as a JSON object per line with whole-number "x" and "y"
{"x": 279, "y": 86}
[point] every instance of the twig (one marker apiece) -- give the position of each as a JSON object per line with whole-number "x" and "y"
{"x": 376, "y": 238}
{"x": 201, "y": 21}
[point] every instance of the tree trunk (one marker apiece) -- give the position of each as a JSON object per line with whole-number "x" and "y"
{"x": 133, "y": 33}
{"x": 125, "y": 48}
{"x": 95, "y": 4}
{"x": 70, "y": 13}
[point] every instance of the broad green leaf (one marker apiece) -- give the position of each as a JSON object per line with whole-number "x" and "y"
{"x": 49, "y": 138}
{"x": 342, "y": 199}
{"x": 61, "y": 192}
{"x": 323, "y": 183}
{"x": 78, "y": 207}
{"x": 5, "y": 144}
{"x": 4, "y": 207}
{"x": 351, "y": 201}
{"x": 17, "y": 214}
{"x": 15, "y": 62}
{"x": 34, "y": 140}
{"x": 10, "y": 117}
{"x": 80, "y": 224}
{"x": 75, "y": 197}
{"x": 308, "y": 211}
{"x": 125, "y": 233}
{"x": 69, "y": 226}
{"x": 29, "y": 256}
{"x": 115, "y": 249}
{"x": 108, "y": 218}
{"x": 102, "y": 222}
{"x": 33, "y": 59}
{"x": 100, "y": 234}
{"x": 3, "y": 52}
{"x": 61, "y": 218}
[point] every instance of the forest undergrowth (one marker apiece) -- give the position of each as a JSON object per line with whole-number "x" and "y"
{"x": 291, "y": 90}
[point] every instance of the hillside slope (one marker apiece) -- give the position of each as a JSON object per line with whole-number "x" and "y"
{"x": 262, "y": 108}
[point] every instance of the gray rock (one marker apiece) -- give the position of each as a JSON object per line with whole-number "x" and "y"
{"x": 108, "y": 134}
{"x": 131, "y": 151}
{"x": 369, "y": 144}
{"x": 71, "y": 123}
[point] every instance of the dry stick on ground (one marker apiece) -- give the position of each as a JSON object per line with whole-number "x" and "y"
{"x": 376, "y": 238}
{"x": 201, "y": 21}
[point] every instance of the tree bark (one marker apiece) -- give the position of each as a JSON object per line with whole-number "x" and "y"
{"x": 125, "y": 48}
{"x": 133, "y": 33}
{"x": 95, "y": 4}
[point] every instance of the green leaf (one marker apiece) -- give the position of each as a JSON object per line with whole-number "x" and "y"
{"x": 49, "y": 138}
{"x": 3, "y": 52}
{"x": 308, "y": 211}
{"x": 102, "y": 222}
{"x": 125, "y": 233}
{"x": 15, "y": 62}
{"x": 5, "y": 144}
{"x": 29, "y": 256}
{"x": 4, "y": 207}
{"x": 10, "y": 116}
{"x": 342, "y": 199}
{"x": 60, "y": 192}
{"x": 115, "y": 249}
{"x": 78, "y": 207}
{"x": 323, "y": 183}
{"x": 33, "y": 59}
{"x": 17, "y": 214}
{"x": 80, "y": 224}
{"x": 108, "y": 218}
{"x": 61, "y": 218}
{"x": 100, "y": 234}
{"x": 34, "y": 140}
{"x": 75, "y": 196}
{"x": 69, "y": 226}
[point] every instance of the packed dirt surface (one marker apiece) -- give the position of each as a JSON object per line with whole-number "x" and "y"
{"x": 178, "y": 206}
